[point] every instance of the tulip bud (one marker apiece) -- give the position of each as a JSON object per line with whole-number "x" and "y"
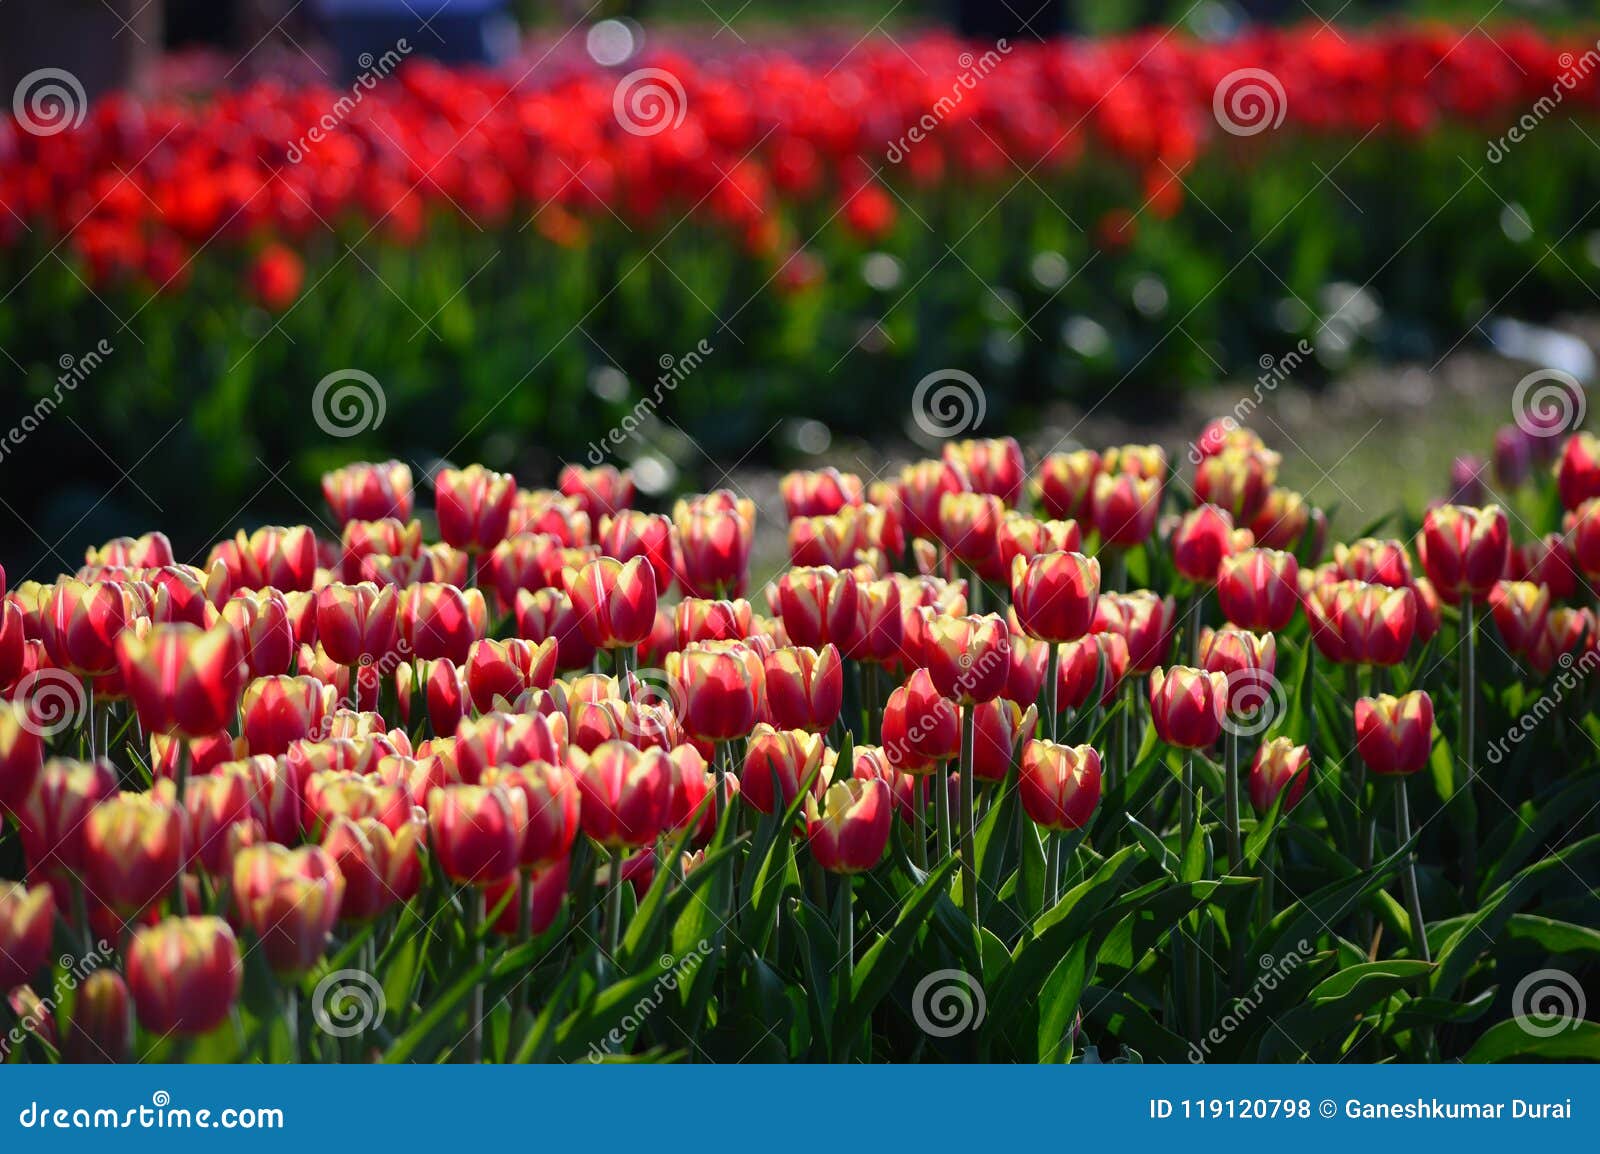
{"x": 777, "y": 764}
{"x": 476, "y": 831}
{"x": 26, "y": 919}
{"x": 818, "y": 493}
{"x": 1065, "y": 483}
{"x": 184, "y": 975}
{"x": 381, "y": 867}
{"x": 101, "y": 1023}
{"x": 473, "y": 506}
{"x": 1079, "y": 668}
{"x": 51, "y": 818}
{"x": 615, "y": 601}
{"x": 1279, "y": 764}
{"x": 702, "y": 619}
{"x": 82, "y": 622}
{"x": 1563, "y": 632}
{"x": 357, "y": 624}
{"x": 1259, "y": 589}
{"x": 283, "y": 558}
{"x": 289, "y": 898}
{"x": 715, "y": 533}
{"x": 1464, "y": 550}
{"x": 1055, "y": 594}
{"x": 278, "y": 711}
{"x": 720, "y": 692}
{"x": 1145, "y": 622}
{"x": 1202, "y": 540}
{"x": 921, "y": 729}
{"x": 627, "y": 793}
{"x": 818, "y": 605}
{"x": 365, "y": 492}
{"x": 1059, "y": 785}
{"x": 507, "y": 669}
{"x": 805, "y": 688}
{"x": 441, "y": 621}
{"x": 997, "y": 727}
{"x": 547, "y": 888}
{"x": 1394, "y": 735}
{"x": 549, "y": 613}
{"x": 134, "y": 846}
{"x": 628, "y": 533}
{"x": 21, "y": 755}
{"x": 1188, "y": 706}
{"x": 849, "y": 831}
{"x": 1519, "y": 609}
{"x": 553, "y": 798}
{"x": 1236, "y": 479}
{"x": 505, "y": 739}
{"x": 1246, "y": 661}
{"x": 968, "y": 657}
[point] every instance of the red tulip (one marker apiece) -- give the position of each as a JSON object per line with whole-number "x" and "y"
{"x": 1202, "y": 540}
{"x": 627, "y": 534}
{"x": 553, "y": 799}
{"x": 777, "y": 764}
{"x": 993, "y": 465}
{"x": 101, "y": 1029}
{"x": 1236, "y": 479}
{"x": 133, "y": 843}
{"x": 627, "y": 793}
{"x": 1055, "y": 595}
{"x": 702, "y": 619}
{"x": 834, "y": 540}
{"x": 357, "y": 624}
{"x": 476, "y": 831}
{"x": 692, "y": 783}
{"x": 1065, "y": 484}
{"x": 266, "y": 634}
{"x": 603, "y": 491}
{"x": 720, "y": 691}
{"x": 1259, "y": 589}
{"x": 1519, "y": 609}
{"x": 1059, "y": 785}
{"x": 1464, "y": 550}
{"x": 1394, "y": 735}
{"x": 506, "y": 739}
{"x": 1359, "y": 624}
{"x": 1145, "y": 622}
{"x": 508, "y": 669}
{"x": 849, "y": 830}
{"x": 997, "y": 728}
{"x": 366, "y": 492}
{"x": 1247, "y": 661}
{"x": 549, "y": 613}
{"x": 818, "y": 605}
{"x": 82, "y": 621}
{"x": 277, "y": 711}
{"x": 715, "y": 533}
{"x": 1188, "y": 706}
{"x": 1375, "y": 561}
{"x": 969, "y": 526}
{"x": 805, "y": 688}
{"x": 1279, "y": 764}
{"x": 879, "y": 632}
{"x": 1564, "y": 631}
{"x": 473, "y": 506}
{"x": 1079, "y": 668}
{"x": 284, "y": 558}
{"x": 381, "y": 868}
{"x": 150, "y": 551}
{"x": 1286, "y": 521}
{"x": 27, "y": 916}
{"x": 819, "y": 493}
{"x": 968, "y": 657}
{"x": 51, "y": 818}
{"x": 1578, "y": 474}
{"x": 923, "y": 486}
{"x": 615, "y": 601}
{"x": 546, "y": 889}
{"x": 442, "y": 621}
{"x": 21, "y": 755}
{"x": 184, "y": 975}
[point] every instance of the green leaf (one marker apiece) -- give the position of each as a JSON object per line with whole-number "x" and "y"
{"x": 1508, "y": 1040}
{"x": 878, "y": 968}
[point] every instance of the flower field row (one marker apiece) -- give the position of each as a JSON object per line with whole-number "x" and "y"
{"x": 1082, "y": 220}
{"x": 1095, "y": 760}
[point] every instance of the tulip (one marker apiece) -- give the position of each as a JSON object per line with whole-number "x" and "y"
{"x": 1059, "y": 785}
{"x": 548, "y": 613}
{"x": 1054, "y": 595}
{"x": 1519, "y": 609}
{"x": 1548, "y": 561}
{"x": 266, "y": 635}
{"x": 818, "y": 493}
{"x": 1578, "y": 473}
{"x": 692, "y": 783}
{"x": 1124, "y": 507}
{"x": 1582, "y": 527}
{"x": 134, "y": 848}
{"x": 715, "y": 533}
{"x": 1025, "y": 537}
{"x": 476, "y": 831}
{"x": 1236, "y": 479}
{"x": 720, "y": 691}
{"x": 1187, "y": 706}
{"x": 442, "y": 621}
{"x": 507, "y": 669}
{"x": 998, "y": 727}
{"x": 504, "y": 739}
{"x": 1286, "y": 521}
{"x": 289, "y": 898}
{"x": 553, "y": 797}
{"x": 285, "y": 559}
{"x": 1203, "y": 539}
{"x": 178, "y": 593}
{"x": 602, "y": 492}
{"x": 627, "y": 534}
{"x": 529, "y": 909}
{"x": 615, "y": 601}
{"x": 627, "y": 793}
{"x": 366, "y": 492}
{"x": 1065, "y": 483}
{"x": 1259, "y": 589}
{"x": 278, "y": 711}
{"x": 13, "y": 643}
{"x": 923, "y": 486}
{"x": 702, "y": 619}
{"x": 21, "y": 755}
{"x": 849, "y": 831}
{"x": 213, "y": 804}
{"x": 1564, "y": 631}
{"x": 381, "y": 867}
{"x": 335, "y": 793}
{"x": 1079, "y": 666}
{"x": 150, "y": 551}
{"x": 1394, "y": 735}
{"x": 1279, "y": 764}
{"x": 778, "y": 764}
{"x": 878, "y": 633}
{"x": 1145, "y": 622}
{"x": 833, "y": 540}
{"x": 1464, "y": 550}
{"x": 101, "y": 1029}
{"x": 26, "y": 918}
{"x": 805, "y": 688}
{"x": 364, "y": 543}
{"x": 921, "y": 729}
{"x": 51, "y": 819}
{"x": 1359, "y": 624}
{"x": 968, "y": 657}
{"x": 357, "y": 624}
{"x": 473, "y": 506}
{"x": 184, "y": 975}
{"x": 1374, "y": 561}
{"x": 818, "y": 605}
{"x": 969, "y": 526}
{"x": 82, "y": 622}
{"x": 1246, "y": 662}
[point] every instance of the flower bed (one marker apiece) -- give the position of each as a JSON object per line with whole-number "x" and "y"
{"x": 1076, "y": 220}
{"x": 553, "y": 788}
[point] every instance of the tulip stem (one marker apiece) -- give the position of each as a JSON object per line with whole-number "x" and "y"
{"x": 919, "y": 820}
{"x": 1466, "y": 740}
{"x": 1402, "y": 820}
{"x": 614, "y": 904}
{"x": 291, "y": 1021}
{"x": 524, "y": 905}
{"x": 847, "y": 925}
{"x": 474, "y": 917}
{"x": 1052, "y": 873}
{"x": 941, "y": 808}
{"x": 1052, "y": 671}
{"x": 719, "y": 765}
{"x": 969, "y": 864}
{"x": 1231, "y": 798}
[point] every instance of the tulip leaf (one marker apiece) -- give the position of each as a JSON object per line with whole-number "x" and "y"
{"x": 1507, "y": 1041}
{"x": 1557, "y": 937}
{"x": 1124, "y": 1019}
{"x": 1058, "y": 1001}
{"x": 878, "y": 968}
